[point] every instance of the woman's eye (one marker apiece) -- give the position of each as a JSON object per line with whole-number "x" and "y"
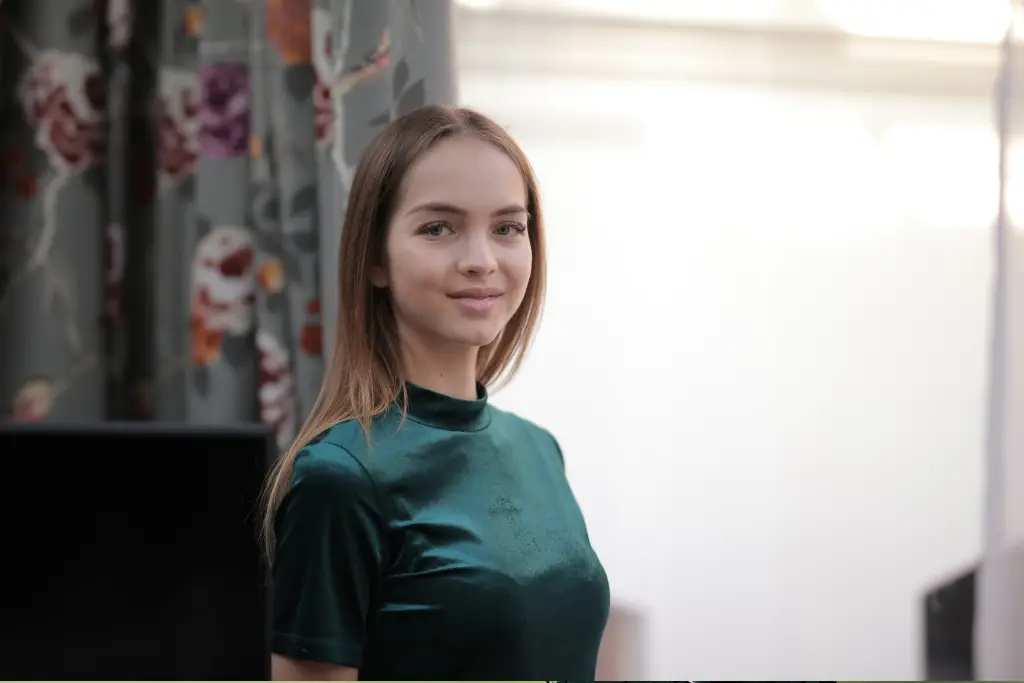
{"x": 435, "y": 229}
{"x": 510, "y": 229}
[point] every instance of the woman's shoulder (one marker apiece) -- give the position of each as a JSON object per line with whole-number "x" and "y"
{"x": 328, "y": 482}
{"x": 525, "y": 429}
{"x": 334, "y": 458}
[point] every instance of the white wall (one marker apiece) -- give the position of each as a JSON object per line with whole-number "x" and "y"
{"x": 764, "y": 353}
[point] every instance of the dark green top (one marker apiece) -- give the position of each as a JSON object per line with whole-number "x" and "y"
{"x": 452, "y": 548}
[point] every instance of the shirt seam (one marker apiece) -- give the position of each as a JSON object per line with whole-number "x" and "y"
{"x": 433, "y": 425}
{"x": 342, "y": 653}
{"x": 377, "y": 497}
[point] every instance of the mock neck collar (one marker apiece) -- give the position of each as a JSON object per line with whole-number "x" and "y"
{"x": 447, "y": 412}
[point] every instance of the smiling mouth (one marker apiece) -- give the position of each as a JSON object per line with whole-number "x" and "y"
{"x": 476, "y": 294}
{"x": 477, "y": 303}
{"x": 483, "y": 297}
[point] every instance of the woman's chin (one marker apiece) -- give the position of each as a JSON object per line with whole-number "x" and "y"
{"x": 474, "y": 335}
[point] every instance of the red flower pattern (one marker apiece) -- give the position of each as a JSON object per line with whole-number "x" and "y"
{"x": 178, "y": 127}
{"x": 311, "y": 336}
{"x": 276, "y": 387}
{"x": 33, "y": 401}
{"x": 64, "y": 99}
{"x": 223, "y": 290}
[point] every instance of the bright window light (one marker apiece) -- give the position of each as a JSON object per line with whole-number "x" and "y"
{"x": 479, "y": 5}
{"x": 741, "y": 11}
{"x": 961, "y": 21}
{"x": 947, "y": 176}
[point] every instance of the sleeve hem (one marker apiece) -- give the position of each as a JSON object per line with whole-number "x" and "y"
{"x": 316, "y": 650}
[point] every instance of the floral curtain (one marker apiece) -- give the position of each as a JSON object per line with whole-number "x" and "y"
{"x": 173, "y": 175}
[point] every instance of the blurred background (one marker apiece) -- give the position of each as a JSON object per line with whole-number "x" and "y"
{"x": 767, "y": 347}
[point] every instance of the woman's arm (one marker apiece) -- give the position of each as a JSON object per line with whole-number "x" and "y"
{"x": 288, "y": 669}
{"x": 327, "y": 567}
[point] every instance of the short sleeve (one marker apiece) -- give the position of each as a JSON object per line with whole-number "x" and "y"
{"x": 328, "y": 560}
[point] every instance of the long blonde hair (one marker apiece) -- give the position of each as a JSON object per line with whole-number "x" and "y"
{"x": 364, "y": 374}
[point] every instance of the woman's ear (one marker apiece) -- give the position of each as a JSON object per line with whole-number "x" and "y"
{"x": 379, "y": 277}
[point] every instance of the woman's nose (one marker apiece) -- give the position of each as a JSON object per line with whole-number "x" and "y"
{"x": 478, "y": 256}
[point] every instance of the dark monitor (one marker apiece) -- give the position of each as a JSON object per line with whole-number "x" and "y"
{"x": 130, "y": 551}
{"x": 949, "y": 610}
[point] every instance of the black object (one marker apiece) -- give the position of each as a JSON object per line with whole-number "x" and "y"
{"x": 949, "y": 610}
{"x": 130, "y": 551}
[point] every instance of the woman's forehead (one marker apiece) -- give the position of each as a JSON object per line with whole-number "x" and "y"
{"x": 464, "y": 172}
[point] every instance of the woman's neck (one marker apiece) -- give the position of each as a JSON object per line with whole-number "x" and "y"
{"x": 450, "y": 370}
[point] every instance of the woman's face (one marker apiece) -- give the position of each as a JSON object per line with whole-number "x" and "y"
{"x": 458, "y": 253}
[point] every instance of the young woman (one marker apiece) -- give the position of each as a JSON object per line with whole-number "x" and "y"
{"x": 415, "y": 530}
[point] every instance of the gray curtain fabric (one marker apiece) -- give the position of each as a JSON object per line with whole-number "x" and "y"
{"x": 174, "y": 174}
{"x": 999, "y": 636}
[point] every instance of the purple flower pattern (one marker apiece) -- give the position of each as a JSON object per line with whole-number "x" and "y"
{"x": 224, "y": 115}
